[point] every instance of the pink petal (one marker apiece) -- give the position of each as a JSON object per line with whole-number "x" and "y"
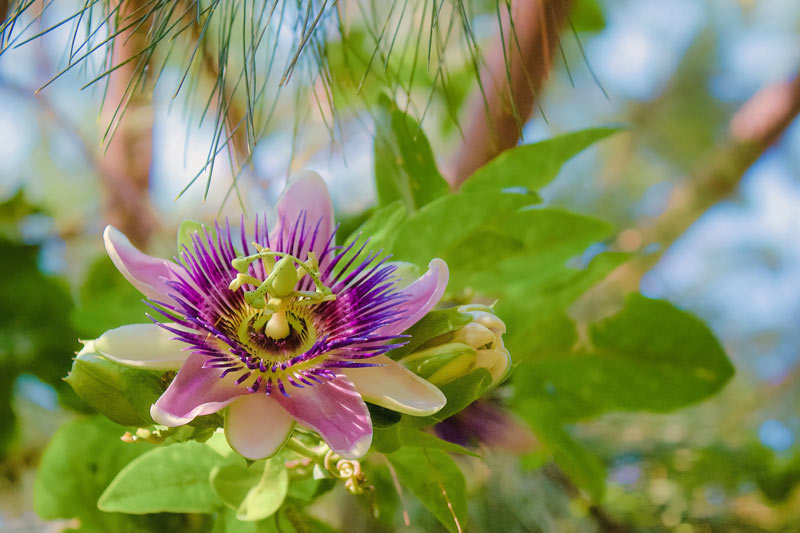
{"x": 305, "y": 193}
{"x": 334, "y": 410}
{"x": 420, "y": 297}
{"x": 144, "y": 272}
{"x": 395, "y": 387}
{"x": 142, "y": 345}
{"x": 256, "y": 426}
{"x": 195, "y": 391}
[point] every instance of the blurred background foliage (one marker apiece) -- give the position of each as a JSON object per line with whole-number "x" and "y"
{"x": 700, "y": 188}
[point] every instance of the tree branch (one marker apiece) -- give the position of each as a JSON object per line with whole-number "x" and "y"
{"x": 125, "y": 168}
{"x": 517, "y": 67}
{"x": 757, "y": 125}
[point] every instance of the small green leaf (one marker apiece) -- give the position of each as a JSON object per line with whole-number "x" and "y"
{"x": 532, "y": 165}
{"x": 121, "y": 393}
{"x": 171, "y": 478}
{"x": 233, "y": 481}
{"x": 434, "y": 477}
{"x": 405, "y": 168}
{"x": 268, "y": 495}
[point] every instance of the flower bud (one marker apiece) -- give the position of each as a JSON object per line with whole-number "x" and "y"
{"x": 485, "y": 334}
{"x": 441, "y": 364}
{"x": 477, "y": 344}
{"x": 121, "y": 393}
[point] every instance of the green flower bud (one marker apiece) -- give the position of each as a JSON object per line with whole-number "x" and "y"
{"x": 441, "y": 364}
{"x": 477, "y": 344}
{"x": 121, "y": 393}
{"x": 485, "y": 334}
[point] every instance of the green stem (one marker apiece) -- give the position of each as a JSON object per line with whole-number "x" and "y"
{"x": 301, "y": 449}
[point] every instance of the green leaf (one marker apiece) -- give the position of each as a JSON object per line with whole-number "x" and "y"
{"x": 450, "y": 221}
{"x": 434, "y": 478}
{"x": 650, "y": 356}
{"x": 535, "y": 314}
{"x": 522, "y": 250}
{"x": 171, "y": 478}
{"x": 587, "y": 15}
{"x": 376, "y": 234}
{"x": 390, "y": 439}
{"x": 404, "y": 165}
{"x": 306, "y": 489}
{"x": 414, "y": 437}
{"x": 256, "y": 492}
{"x": 80, "y": 461}
{"x": 532, "y": 165}
{"x": 460, "y": 393}
{"x": 583, "y": 467}
{"x": 432, "y": 325}
{"x": 266, "y": 497}
{"x": 121, "y": 393}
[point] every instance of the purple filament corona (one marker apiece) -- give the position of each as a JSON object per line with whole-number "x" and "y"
{"x": 217, "y": 322}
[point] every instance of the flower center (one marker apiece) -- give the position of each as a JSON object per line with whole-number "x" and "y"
{"x": 276, "y": 330}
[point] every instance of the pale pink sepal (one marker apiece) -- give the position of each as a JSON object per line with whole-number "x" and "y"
{"x": 395, "y": 387}
{"x": 305, "y": 193}
{"x": 146, "y": 273}
{"x": 419, "y": 297}
{"x": 256, "y": 426}
{"x": 143, "y": 346}
{"x": 195, "y": 391}
{"x": 334, "y": 410}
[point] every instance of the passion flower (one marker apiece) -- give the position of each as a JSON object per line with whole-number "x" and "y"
{"x": 277, "y": 327}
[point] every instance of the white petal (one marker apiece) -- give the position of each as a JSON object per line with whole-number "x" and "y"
{"x": 256, "y": 426}
{"x": 143, "y": 346}
{"x": 395, "y": 387}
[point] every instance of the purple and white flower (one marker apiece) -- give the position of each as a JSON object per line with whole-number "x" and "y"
{"x": 279, "y": 327}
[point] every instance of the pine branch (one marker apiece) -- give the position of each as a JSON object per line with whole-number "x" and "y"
{"x": 125, "y": 167}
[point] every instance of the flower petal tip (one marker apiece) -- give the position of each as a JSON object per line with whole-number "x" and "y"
{"x": 164, "y": 418}
{"x": 395, "y": 387}
{"x": 144, "y": 272}
{"x": 358, "y": 450}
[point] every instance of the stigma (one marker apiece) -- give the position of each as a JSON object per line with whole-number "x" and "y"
{"x": 277, "y": 293}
